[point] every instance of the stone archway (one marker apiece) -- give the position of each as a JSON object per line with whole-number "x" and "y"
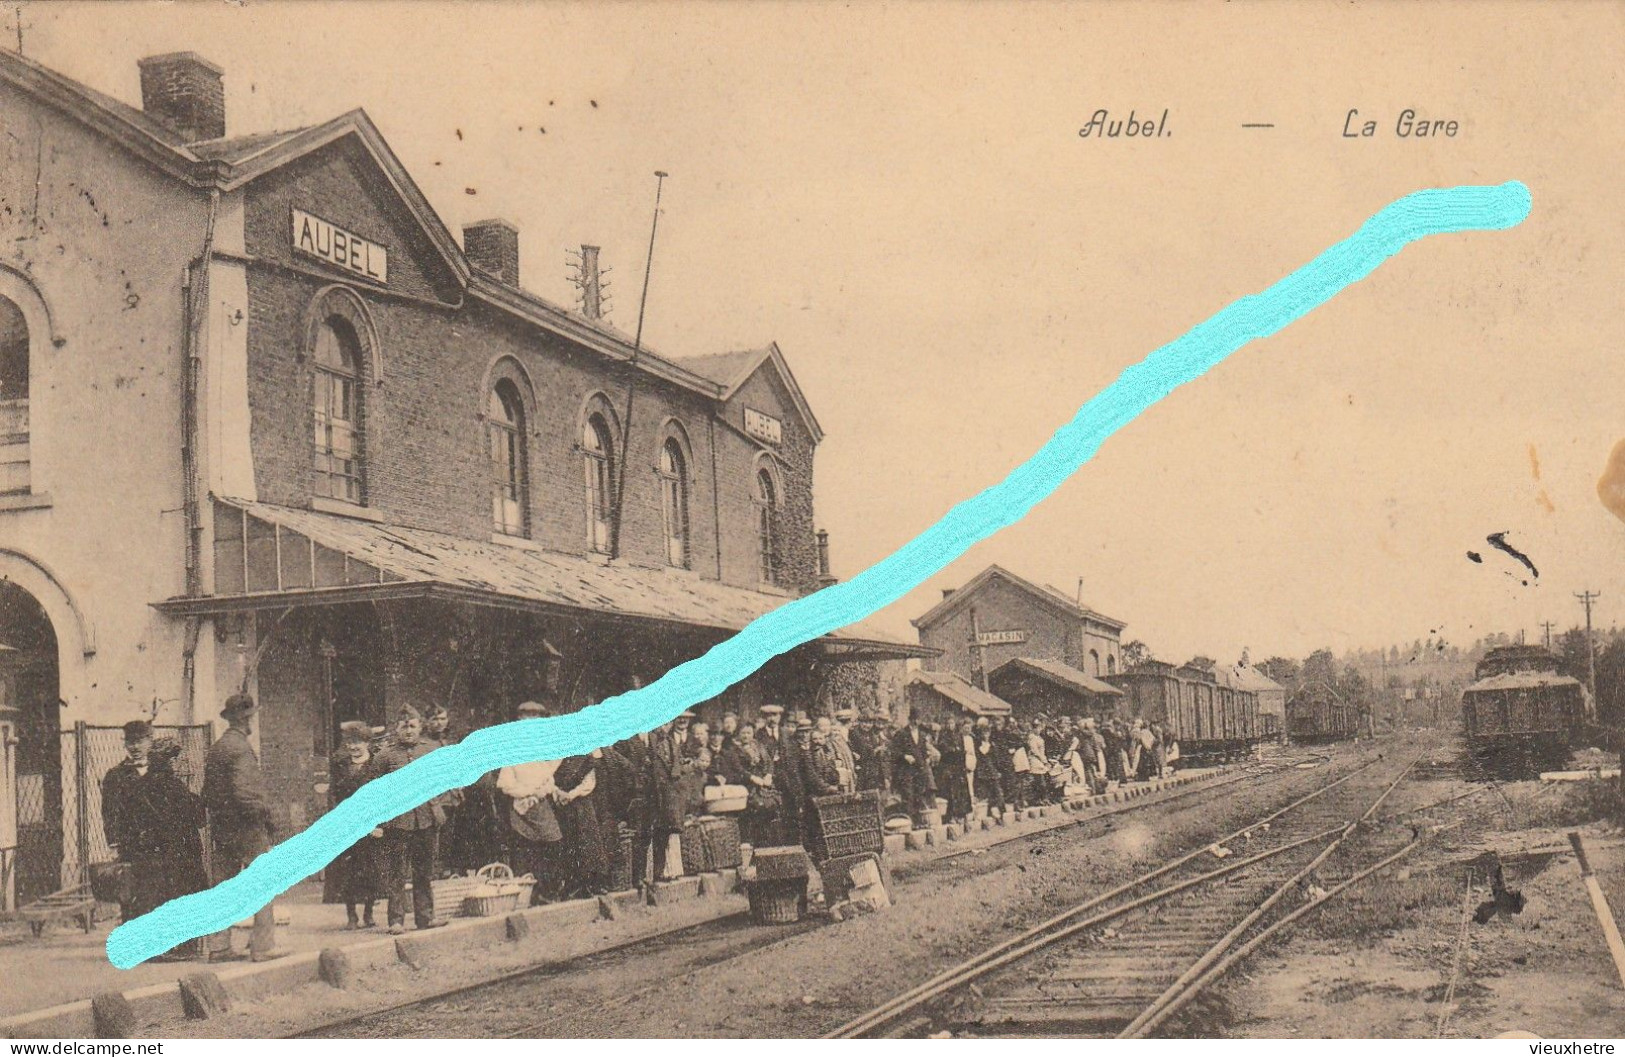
{"x": 31, "y": 808}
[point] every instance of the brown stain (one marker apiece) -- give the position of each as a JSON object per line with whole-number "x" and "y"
{"x": 1611, "y": 485}
{"x": 1542, "y": 498}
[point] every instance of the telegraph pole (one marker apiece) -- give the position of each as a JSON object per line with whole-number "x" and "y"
{"x": 1547, "y": 626}
{"x": 632, "y": 380}
{"x": 1586, "y": 598}
{"x": 979, "y": 648}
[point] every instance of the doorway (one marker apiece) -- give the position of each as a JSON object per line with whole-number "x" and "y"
{"x": 31, "y": 778}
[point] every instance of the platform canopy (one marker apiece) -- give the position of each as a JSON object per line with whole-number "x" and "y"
{"x": 271, "y": 557}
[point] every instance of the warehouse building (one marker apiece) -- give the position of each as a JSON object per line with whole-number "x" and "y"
{"x": 999, "y": 617}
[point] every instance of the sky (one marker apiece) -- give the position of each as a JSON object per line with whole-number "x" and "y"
{"x": 898, "y": 195}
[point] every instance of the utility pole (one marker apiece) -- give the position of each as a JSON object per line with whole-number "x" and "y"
{"x": 1547, "y": 626}
{"x": 1586, "y": 598}
{"x": 632, "y": 380}
{"x": 979, "y": 648}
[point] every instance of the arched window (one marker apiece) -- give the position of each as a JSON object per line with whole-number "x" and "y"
{"x": 767, "y": 526}
{"x": 674, "y": 502}
{"x": 337, "y": 407}
{"x": 505, "y": 428}
{"x": 1111, "y": 664}
{"x": 1094, "y": 663}
{"x": 598, "y": 451}
{"x": 14, "y": 457}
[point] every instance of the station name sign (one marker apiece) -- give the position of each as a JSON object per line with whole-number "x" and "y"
{"x": 998, "y": 638}
{"x": 315, "y": 237}
{"x": 763, "y": 427}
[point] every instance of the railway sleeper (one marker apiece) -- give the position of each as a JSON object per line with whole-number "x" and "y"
{"x": 1086, "y": 973}
{"x": 1050, "y": 1018}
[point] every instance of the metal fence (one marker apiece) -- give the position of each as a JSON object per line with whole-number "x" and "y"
{"x": 88, "y": 753}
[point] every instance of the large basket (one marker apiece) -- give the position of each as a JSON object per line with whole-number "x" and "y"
{"x": 786, "y": 863}
{"x": 469, "y": 893}
{"x": 491, "y": 905}
{"x": 846, "y": 824}
{"x": 451, "y": 891}
{"x": 709, "y": 844}
{"x": 778, "y": 902}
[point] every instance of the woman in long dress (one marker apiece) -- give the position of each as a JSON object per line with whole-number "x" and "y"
{"x": 354, "y": 878}
{"x": 577, "y": 799}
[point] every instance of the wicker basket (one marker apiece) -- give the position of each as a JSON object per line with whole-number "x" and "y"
{"x": 710, "y": 843}
{"x": 846, "y": 824}
{"x": 786, "y": 863}
{"x": 778, "y": 902}
{"x": 484, "y": 906}
{"x": 451, "y": 891}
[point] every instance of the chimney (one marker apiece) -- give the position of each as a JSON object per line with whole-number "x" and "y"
{"x": 948, "y": 592}
{"x": 183, "y": 91}
{"x": 493, "y": 246}
{"x": 824, "y": 578}
{"x": 592, "y": 296}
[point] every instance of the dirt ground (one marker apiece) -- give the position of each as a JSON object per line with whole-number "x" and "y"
{"x": 1379, "y": 963}
{"x": 786, "y": 983}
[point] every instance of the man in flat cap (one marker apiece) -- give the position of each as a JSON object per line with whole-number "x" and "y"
{"x": 411, "y": 839}
{"x": 241, "y": 822}
{"x": 669, "y": 768}
{"x": 769, "y": 732}
{"x": 119, "y": 802}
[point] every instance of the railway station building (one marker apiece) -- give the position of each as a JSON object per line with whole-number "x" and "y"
{"x": 265, "y": 422}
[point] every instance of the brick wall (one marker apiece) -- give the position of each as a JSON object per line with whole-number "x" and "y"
{"x": 1000, "y": 606}
{"x": 425, "y": 439}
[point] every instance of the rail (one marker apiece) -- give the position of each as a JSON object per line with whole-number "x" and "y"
{"x": 1068, "y": 922}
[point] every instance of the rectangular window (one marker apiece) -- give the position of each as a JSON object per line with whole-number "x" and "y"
{"x": 14, "y": 456}
{"x": 599, "y": 497}
{"x": 337, "y": 458}
{"x": 676, "y": 516}
{"x": 507, "y": 517}
{"x": 768, "y": 543}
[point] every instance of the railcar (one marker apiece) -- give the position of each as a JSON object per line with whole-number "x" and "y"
{"x": 1210, "y": 717}
{"x": 1521, "y": 714}
{"x": 1316, "y": 714}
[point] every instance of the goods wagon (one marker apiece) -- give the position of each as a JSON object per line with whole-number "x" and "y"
{"x": 1521, "y": 714}
{"x": 1211, "y": 718}
{"x": 1316, "y": 713}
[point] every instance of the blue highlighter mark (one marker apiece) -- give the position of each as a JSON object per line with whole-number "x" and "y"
{"x": 1423, "y": 213}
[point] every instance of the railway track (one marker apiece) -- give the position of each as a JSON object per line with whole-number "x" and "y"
{"x": 487, "y": 1008}
{"x": 1123, "y": 963}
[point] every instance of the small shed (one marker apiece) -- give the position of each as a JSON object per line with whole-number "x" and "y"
{"x": 1033, "y": 685}
{"x": 934, "y": 697}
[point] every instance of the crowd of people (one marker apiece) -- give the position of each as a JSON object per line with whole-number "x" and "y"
{"x": 574, "y": 824}
{"x": 1013, "y": 763}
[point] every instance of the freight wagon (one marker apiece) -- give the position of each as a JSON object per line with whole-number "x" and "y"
{"x": 1210, "y": 717}
{"x": 1315, "y": 713}
{"x": 1521, "y": 714}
